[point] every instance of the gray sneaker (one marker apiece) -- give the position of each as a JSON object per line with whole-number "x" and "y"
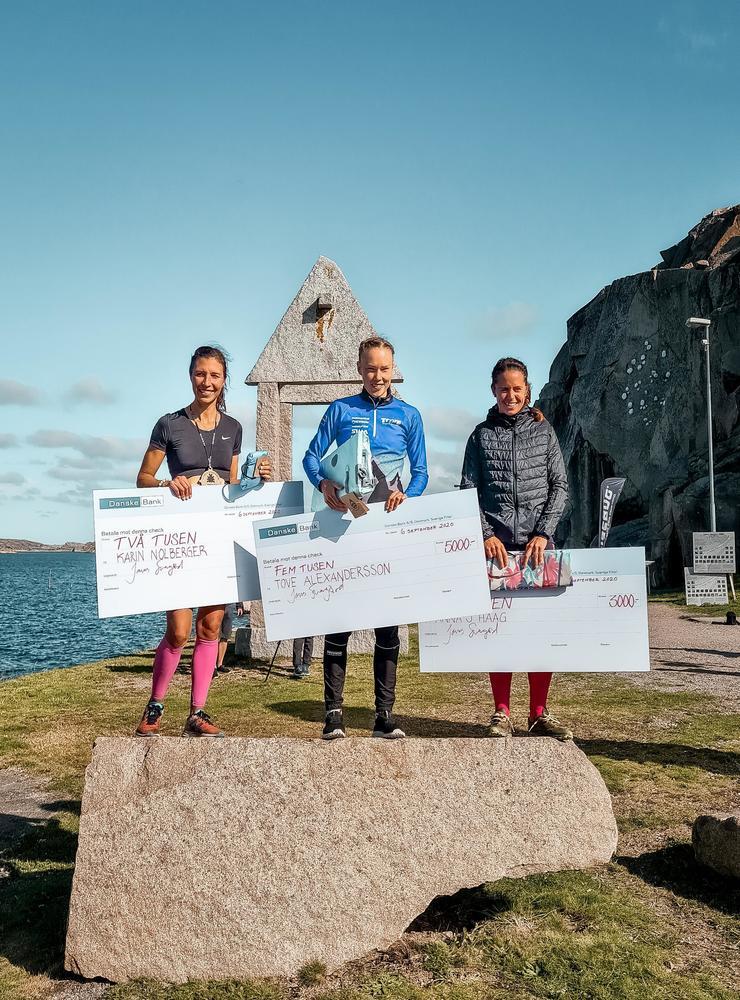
{"x": 548, "y": 725}
{"x": 334, "y": 725}
{"x": 501, "y": 725}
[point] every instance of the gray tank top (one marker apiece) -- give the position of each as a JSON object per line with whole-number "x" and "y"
{"x": 177, "y": 436}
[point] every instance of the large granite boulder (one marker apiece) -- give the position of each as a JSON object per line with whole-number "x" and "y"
{"x": 627, "y": 397}
{"x": 232, "y": 858}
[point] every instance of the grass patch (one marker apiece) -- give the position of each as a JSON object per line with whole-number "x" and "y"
{"x": 396, "y": 987}
{"x": 311, "y": 973}
{"x": 677, "y": 598}
{"x": 570, "y": 935}
{"x": 228, "y": 990}
{"x": 34, "y": 902}
{"x": 665, "y": 756}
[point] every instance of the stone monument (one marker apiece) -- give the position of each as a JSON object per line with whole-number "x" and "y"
{"x": 310, "y": 358}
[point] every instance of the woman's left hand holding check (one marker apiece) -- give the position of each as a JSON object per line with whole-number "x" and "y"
{"x": 535, "y": 551}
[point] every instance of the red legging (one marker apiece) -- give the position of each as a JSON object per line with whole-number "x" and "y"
{"x": 539, "y": 685}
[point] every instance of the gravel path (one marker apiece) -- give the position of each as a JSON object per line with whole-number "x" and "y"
{"x": 689, "y": 653}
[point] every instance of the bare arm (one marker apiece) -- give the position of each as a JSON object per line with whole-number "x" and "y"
{"x": 150, "y": 464}
{"x": 147, "y": 477}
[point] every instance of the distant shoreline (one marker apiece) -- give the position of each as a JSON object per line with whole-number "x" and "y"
{"x": 17, "y": 546}
{"x": 22, "y": 552}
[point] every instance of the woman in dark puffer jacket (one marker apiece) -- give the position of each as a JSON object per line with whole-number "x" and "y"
{"x": 514, "y": 461}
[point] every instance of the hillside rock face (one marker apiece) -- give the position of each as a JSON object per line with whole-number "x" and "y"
{"x": 627, "y": 397}
{"x": 225, "y": 859}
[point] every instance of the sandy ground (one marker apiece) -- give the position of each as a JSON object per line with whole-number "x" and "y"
{"x": 690, "y": 653}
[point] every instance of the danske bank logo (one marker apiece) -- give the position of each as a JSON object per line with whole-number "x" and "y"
{"x": 115, "y": 503}
{"x": 278, "y": 531}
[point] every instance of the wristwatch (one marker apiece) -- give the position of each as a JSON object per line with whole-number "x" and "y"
{"x": 163, "y": 482}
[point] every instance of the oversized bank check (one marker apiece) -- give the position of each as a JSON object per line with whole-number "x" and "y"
{"x": 327, "y": 572}
{"x": 597, "y": 625}
{"x": 154, "y": 552}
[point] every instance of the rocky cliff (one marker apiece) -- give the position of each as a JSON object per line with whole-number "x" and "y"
{"x": 627, "y": 397}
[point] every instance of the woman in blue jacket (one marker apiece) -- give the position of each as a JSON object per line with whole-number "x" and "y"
{"x": 396, "y": 431}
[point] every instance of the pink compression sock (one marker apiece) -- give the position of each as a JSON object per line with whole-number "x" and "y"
{"x": 501, "y": 688}
{"x": 165, "y": 664}
{"x": 539, "y": 685}
{"x": 204, "y": 663}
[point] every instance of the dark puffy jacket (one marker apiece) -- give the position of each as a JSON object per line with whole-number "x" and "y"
{"x": 517, "y": 467}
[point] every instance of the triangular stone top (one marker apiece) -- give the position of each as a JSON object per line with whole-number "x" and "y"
{"x": 318, "y": 337}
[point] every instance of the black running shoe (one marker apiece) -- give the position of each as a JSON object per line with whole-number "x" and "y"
{"x": 334, "y": 726}
{"x": 386, "y": 728}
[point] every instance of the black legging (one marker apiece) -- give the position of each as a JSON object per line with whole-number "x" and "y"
{"x": 385, "y": 660}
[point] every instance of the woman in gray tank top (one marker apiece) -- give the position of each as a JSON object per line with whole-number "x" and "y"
{"x": 201, "y": 443}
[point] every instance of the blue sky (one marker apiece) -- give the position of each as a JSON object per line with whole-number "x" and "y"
{"x": 171, "y": 171}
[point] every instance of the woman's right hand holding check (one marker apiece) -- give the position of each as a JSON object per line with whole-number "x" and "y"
{"x": 496, "y": 550}
{"x": 181, "y": 487}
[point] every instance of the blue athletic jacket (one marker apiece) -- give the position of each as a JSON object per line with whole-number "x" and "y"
{"x": 395, "y": 430}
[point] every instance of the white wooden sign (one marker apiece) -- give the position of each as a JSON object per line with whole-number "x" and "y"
{"x": 705, "y": 588}
{"x": 714, "y": 551}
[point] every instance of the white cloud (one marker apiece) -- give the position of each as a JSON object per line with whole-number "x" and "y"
{"x": 82, "y": 462}
{"x": 78, "y": 496}
{"x": 12, "y": 478}
{"x": 702, "y": 37}
{"x": 699, "y": 40}
{"x": 448, "y": 423}
{"x": 14, "y": 393}
{"x": 8, "y": 440}
{"x": 90, "y": 390}
{"x": 100, "y": 477}
{"x": 444, "y": 470}
{"x": 89, "y": 445}
{"x": 513, "y": 320}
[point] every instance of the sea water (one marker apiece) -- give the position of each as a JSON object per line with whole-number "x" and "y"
{"x": 49, "y": 615}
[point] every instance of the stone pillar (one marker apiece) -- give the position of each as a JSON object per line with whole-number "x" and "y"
{"x": 273, "y": 433}
{"x": 285, "y": 464}
{"x": 267, "y": 432}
